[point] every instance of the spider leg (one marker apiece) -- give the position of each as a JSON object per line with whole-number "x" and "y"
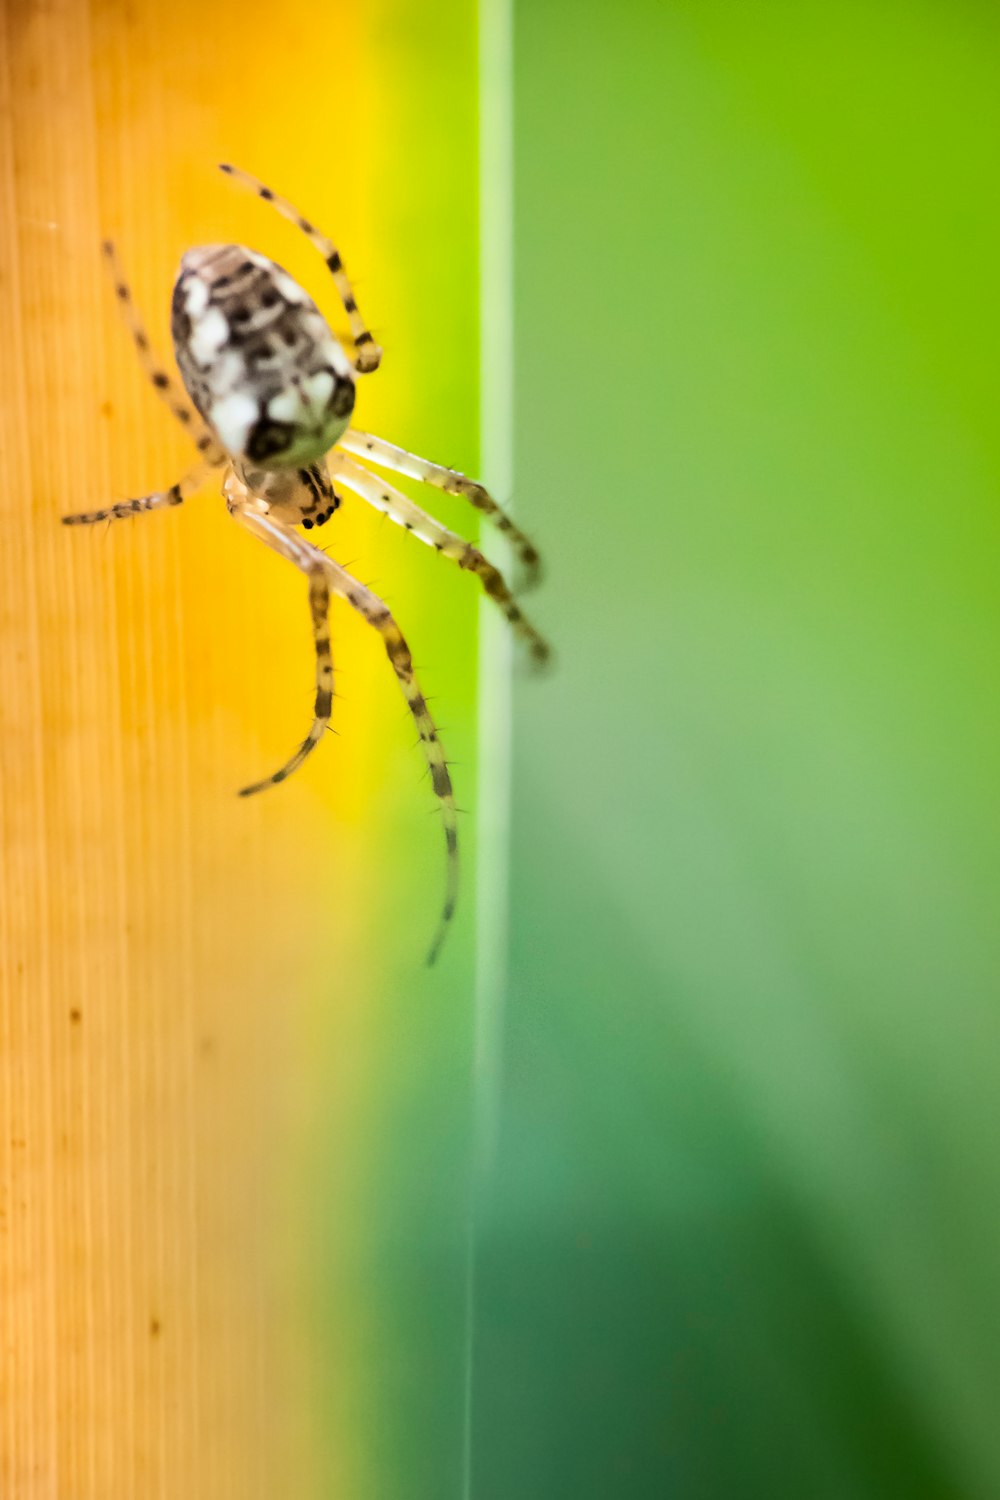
{"x": 319, "y": 605}
{"x": 388, "y": 456}
{"x": 308, "y": 558}
{"x": 401, "y": 509}
{"x": 368, "y": 355}
{"x": 160, "y": 500}
{"x": 167, "y": 388}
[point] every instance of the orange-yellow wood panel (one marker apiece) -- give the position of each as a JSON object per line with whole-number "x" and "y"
{"x": 158, "y": 1089}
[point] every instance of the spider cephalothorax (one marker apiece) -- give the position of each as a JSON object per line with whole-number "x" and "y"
{"x": 302, "y": 497}
{"x": 274, "y": 389}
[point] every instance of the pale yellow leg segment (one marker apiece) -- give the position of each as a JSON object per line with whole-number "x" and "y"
{"x": 388, "y": 456}
{"x": 393, "y": 503}
{"x": 161, "y": 500}
{"x": 167, "y": 388}
{"x": 319, "y": 605}
{"x": 368, "y": 355}
{"x": 305, "y": 556}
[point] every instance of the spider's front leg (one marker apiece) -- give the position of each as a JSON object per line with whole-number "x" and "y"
{"x": 319, "y": 606}
{"x": 401, "y": 509}
{"x": 388, "y": 456}
{"x": 238, "y": 499}
{"x": 160, "y": 500}
{"x": 283, "y": 540}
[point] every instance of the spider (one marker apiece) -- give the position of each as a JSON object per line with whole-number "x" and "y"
{"x": 273, "y": 391}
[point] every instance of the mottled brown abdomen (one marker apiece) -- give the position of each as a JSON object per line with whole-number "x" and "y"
{"x": 258, "y": 358}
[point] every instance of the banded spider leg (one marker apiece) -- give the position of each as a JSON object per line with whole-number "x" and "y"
{"x": 388, "y": 456}
{"x": 368, "y": 355}
{"x": 311, "y": 561}
{"x": 401, "y": 509}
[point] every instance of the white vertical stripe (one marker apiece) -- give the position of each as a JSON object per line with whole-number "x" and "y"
{"x": 496, "y": 469}
{"x": 496, "y": 217}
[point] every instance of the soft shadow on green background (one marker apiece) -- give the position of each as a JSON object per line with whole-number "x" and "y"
{"x": 741, "y": 1235}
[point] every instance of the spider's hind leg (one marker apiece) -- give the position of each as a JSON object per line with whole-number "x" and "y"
{"x": 163, "y": 383}
{"x": 367, "y": 354}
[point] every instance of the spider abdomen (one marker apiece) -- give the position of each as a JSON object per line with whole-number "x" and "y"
{"x": 258, "y": 358}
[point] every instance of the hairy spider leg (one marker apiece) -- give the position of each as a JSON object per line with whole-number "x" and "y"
{"x": 401, "y": 509}
{"x": 367, "y": 355}
{"x": 160, "y": 500}
{"x": 166, "y": 387}
{"x": 307, "y": 557}
{"x": 389, "y": 456}
{"x": 319, "y": 606}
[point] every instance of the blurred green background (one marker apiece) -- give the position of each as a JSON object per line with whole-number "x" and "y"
{"x": 739, "y": 1236}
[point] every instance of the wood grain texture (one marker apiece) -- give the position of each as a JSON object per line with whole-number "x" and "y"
{"x": 158, "y": 1085}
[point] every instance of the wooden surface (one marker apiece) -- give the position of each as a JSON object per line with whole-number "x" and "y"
{"x": 160, "y": 1080}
